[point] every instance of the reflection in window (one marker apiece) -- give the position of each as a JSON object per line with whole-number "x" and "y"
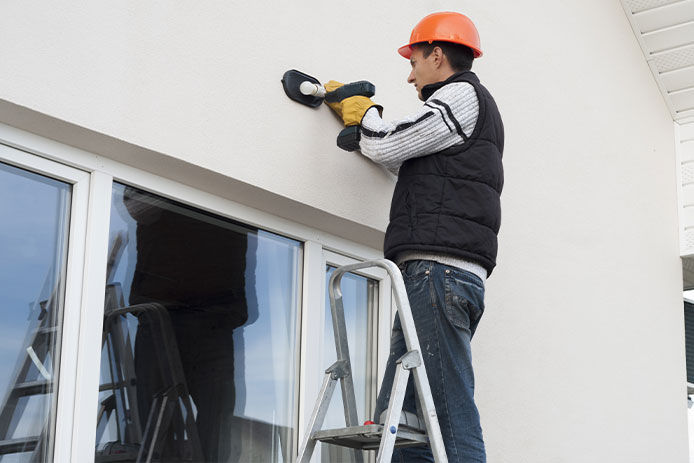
{"x": 34, "y": 220}
{"x": 359, "y": 298}
{"x": 199, "y": 355}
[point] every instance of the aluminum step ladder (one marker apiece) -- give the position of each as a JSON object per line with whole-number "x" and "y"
{"x": 31, "y": 377}
{"x": 138, "y": 443}
{"x": 165, "y": 415}
{"x": 390, "y": 434}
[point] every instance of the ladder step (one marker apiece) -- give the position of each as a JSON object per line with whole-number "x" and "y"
{"x": 33, "y": 388}
{"x": 47, "y": 330}
{"x": 21, "y": 445}
{"x": 368, "y": 437}
{"x": 117, "y": 385}
{"x": 113, "y": 452}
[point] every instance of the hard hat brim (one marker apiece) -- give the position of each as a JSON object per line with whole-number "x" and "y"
{"x": 406, "y": 51}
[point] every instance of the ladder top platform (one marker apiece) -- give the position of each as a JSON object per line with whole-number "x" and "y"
{"x": 368, "y": 437}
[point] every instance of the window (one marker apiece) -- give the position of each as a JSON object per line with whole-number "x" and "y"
{"x": 200, "y": 336}
{"x": 33, "y": 246}
{"x": 216, "y": 331}
{"x": 39, "y": 204}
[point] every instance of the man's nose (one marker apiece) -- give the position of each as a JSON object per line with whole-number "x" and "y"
{"x": 410, "y": 78}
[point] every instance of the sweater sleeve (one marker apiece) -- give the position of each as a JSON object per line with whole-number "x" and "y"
{"x": 447, "y": 118}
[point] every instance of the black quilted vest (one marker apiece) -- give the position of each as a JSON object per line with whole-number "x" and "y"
{"x": 449, "y": 202}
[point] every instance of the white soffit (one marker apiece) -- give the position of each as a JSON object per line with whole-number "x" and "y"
{"x": 665, "y": 31}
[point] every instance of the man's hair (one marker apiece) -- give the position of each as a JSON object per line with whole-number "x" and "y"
{"x": 459, "y": 56}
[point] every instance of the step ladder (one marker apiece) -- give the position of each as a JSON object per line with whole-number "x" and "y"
{"x": 165, "y": 417}
{"x": 389, "y": 434}
{"x": 138, "y": 443}
{"x": 31, "y": 377}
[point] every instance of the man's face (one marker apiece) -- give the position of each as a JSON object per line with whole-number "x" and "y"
{"x": 424, "y": 70}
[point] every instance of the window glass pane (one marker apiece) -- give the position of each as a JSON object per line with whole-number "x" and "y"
{"x": 359, "y": 298}
{"x": 34, "y": 222}
{"x": 199, "y": 336}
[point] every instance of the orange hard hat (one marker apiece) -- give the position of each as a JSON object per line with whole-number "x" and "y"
{"x": 445, "y": 27}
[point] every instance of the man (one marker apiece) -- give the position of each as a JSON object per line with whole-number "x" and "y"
{"x": 444, "y": 218}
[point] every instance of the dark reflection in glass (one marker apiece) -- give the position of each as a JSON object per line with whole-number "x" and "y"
{"x": 199, "y": 354}
{"x": 34, "y": 220}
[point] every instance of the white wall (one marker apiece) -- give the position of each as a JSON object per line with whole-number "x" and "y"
{"x": 580, "y": 355}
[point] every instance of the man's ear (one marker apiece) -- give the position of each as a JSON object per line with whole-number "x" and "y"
{"x": 439, "y": 57}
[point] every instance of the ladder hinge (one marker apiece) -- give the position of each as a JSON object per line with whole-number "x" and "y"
{"x": 410, "y": 360}
{"x": 339, "y": 369}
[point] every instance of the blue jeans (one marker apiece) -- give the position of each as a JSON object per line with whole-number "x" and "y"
{"x": 447, "y": 304}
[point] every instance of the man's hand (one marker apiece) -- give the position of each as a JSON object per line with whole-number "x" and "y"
{"x": 350, "y": 106}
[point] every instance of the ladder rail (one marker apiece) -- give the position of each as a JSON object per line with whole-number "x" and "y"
{"x": 318, "y": 415}
{"x": 116, "y": 339}
{"x": 397, "y": 397}
{"x": 342, "y": 348}
{"x": 349, "y": 401}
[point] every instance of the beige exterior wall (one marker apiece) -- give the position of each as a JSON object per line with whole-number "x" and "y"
{"x": 580, "y": 355}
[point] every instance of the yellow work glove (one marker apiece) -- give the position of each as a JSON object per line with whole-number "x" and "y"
{"x": 352, "y": 108}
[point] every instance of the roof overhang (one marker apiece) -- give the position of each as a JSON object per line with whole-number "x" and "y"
{"x": 665, "y": 31}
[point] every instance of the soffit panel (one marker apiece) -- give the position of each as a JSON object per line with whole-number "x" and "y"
{"x": 674, "y": 60}
{"x": 665, "y": 31}
{"x": 673, "y": 37}
{"x": 679, "y": 79}
{"x": 688, "y": 115}
{"x": 665, "y": 17}
{"x": 683, "y": 100}
{"x": 637, "y": 6}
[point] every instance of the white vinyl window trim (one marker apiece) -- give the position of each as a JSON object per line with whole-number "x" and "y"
{"x": 93, "y": 177}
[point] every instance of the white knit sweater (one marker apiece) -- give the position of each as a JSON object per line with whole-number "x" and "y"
{"x": 447, "y": 118}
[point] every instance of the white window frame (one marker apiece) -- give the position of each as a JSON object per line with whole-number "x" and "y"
{"x": 76, "y": 429}
{"x": 67, "y": 345}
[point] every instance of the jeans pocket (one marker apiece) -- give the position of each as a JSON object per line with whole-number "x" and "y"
{"x": 460, "y": 309}
{"x": 458, "y": 312}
